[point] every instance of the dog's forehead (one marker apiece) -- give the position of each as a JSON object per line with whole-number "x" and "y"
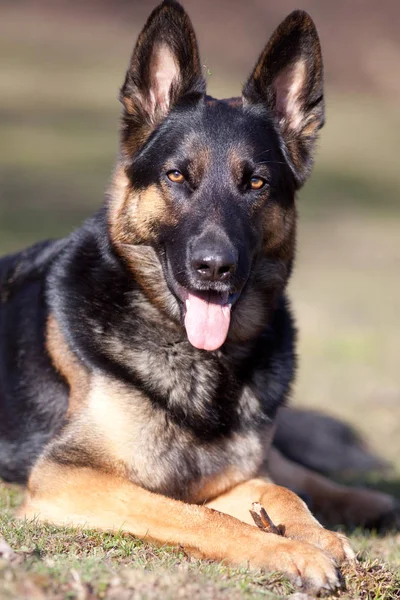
{"x": 223, "y": 126}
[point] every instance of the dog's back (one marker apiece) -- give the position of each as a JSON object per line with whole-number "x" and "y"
{"x": 33, "y": 398}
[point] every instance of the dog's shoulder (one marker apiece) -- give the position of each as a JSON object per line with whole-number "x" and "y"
{"x": 27, "y": 266}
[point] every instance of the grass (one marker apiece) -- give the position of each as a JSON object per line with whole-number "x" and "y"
{"x": 71, "y": 563}
{"x": 58, "y": 121}
{"x": 346, "y": 294}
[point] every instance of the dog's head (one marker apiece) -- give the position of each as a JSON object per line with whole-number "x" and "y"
{"x": 204, "y": 189}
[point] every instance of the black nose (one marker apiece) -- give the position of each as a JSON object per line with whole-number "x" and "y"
{"x": 215, "y": 265}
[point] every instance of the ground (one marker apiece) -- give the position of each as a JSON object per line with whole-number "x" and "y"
{"x": 56, "y": 563}
{"x": 58, "y": 115}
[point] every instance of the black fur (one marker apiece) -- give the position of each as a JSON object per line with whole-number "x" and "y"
{"x": 323, "y": 444}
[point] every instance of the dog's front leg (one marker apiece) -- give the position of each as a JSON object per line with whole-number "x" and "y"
{"x": 286, "y": 509}
{"x": 84, "y": 496}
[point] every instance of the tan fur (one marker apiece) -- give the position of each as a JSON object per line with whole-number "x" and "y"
{"x": 311, "y": 128}
{"x": 235, "y": 161}
{"x": 139, "y": 135}
{"x": 112, "y": 437}
{"x": 219, "y": 484}
{"x": 279, "y": 225}
{"x": 67, "y": 364}
{"x": 151, "y": 210}
{"x": 134, "y": 216}
{"x": 146, "y": 268}
{"x": 130, "y": 220}
{"x": 234, "y": 102}
{"x": 198, "y": 167}
{"x": 118, "y": 195}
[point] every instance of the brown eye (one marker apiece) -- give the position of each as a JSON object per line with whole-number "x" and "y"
{"x": 256, "y": 183}
{"x": 175, "y": 176}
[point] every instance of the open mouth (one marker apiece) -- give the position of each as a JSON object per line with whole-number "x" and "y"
{"x": 206, "y": 313}
{"x": 207, "y": 317}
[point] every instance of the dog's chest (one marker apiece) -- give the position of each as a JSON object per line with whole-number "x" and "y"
{"x": 165, "y": 455}
{"x": 169, "y": 460}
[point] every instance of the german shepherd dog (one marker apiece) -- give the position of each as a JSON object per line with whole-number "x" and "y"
{"x": 143, "y": 358}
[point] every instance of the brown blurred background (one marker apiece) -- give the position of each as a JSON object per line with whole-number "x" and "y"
{"x": 61, "y": 66}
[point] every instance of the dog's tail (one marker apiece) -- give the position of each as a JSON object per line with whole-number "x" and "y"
{"x": 324, "y": 444}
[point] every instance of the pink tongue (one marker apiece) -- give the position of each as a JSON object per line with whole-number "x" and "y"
{"x": 206, "y": 323}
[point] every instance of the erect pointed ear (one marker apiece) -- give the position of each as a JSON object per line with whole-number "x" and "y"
{"x": 288, "y": 79}
{"x": 164, "y": 68}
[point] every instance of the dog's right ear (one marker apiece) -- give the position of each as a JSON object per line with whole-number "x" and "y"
{"x": 165, "y": 67}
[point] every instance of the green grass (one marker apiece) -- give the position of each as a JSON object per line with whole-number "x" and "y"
{"x": 58, "y": 140}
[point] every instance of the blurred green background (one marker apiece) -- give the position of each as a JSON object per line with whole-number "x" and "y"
{"x": 61, "y": 67}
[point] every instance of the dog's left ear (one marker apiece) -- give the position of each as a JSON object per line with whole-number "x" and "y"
{"x": 288, "y": 79}
{"x": 165, "y": 68}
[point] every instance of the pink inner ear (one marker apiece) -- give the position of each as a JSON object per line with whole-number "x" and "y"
{"x": 164, "y": 70}
{"x": 288, "y": 88}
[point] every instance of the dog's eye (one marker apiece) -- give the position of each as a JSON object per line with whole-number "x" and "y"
{"x": 175, "y": 176}
{"x": 256, "y": 183}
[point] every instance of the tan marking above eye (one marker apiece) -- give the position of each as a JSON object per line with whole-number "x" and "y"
{"x": 256, "y": 183}
{"x": 175, "y": 176}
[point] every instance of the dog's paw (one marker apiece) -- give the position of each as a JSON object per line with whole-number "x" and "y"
{"x": 334, "y": 544}
{"x": 306, "y": 565}
{"x": 337, "y": 545}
